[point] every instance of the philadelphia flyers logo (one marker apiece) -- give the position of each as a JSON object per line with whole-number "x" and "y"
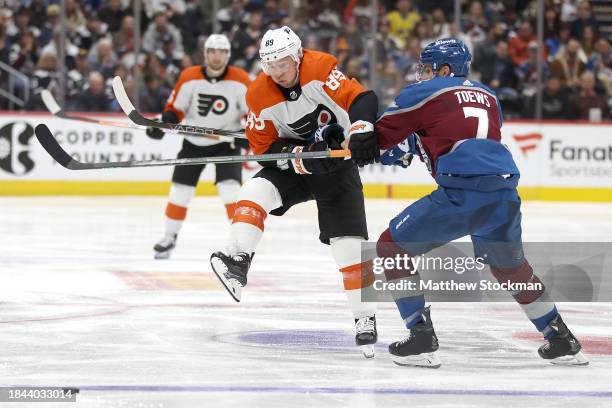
{"x": 310, "y": 122}
{"x": 217, "y": 103}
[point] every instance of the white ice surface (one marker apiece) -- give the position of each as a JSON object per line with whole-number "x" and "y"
{"x": 83, "y": 304}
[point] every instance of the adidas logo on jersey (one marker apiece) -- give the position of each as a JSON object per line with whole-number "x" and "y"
{"x": 467, "y": 83}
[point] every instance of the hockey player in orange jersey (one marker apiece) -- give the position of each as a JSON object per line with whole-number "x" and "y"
{"x": 302, "y": 102}
{"x": 212, "y": 96}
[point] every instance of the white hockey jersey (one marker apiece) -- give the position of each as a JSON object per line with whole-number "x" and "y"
{"x": 324, "y": 96}
{"x": 210, "y": 102}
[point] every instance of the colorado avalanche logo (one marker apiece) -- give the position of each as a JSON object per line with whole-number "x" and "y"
{"x": 310, "y": 122}
{"x": 217, "y": 103}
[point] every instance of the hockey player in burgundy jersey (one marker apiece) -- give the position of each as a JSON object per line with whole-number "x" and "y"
{"x": 453, "y": 124}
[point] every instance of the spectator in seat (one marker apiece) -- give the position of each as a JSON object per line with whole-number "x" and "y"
{"x": 588, "y": 45}
{"x": 74, "y": 15}
{"x": 22, "y": 25}
{"x": 498, "y": 71}
{"x": 45, "y": 77}
{"x": 552, "y": 24}
{"x": 351, "y": 35}
{"x": 77, "y": 77}
{"x": 324, "y": 19}
{"x": 557, "y": 44}
{"x": 158, "y": 28}
{"x": 403, "y": 21}
{"x": 94, "y": 98}
{"x": 169, "y": 58}
{"x": 272, "y": 15}
{"x": 245, "y": 42}
{"x": 554, "y": 101}
{"x": 102, "y": 57}
{"x": 154, "y": 95}
{"x": 38, "y": 12}
{"x": 440, "y": 28}
{"x": 89, "y": 33}
{"x": 46, "y": 29}
{"x": 582, "y": 104}
{"x": 569, "y": 64}
{"x": 518, "y": 45}
{"x": 231, "y": 17}
{"x": 112, "y": 13}
{"x": 602, "y": 63}
{"x": 475, "y": 24}
{"x": 527, "y": 72}
{"x": 24, "y": 53}
{"x": 584, "y": 18}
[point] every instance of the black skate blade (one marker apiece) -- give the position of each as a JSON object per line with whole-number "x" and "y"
{"x": 424, "y": 360}
{"x": 221, "y": 277}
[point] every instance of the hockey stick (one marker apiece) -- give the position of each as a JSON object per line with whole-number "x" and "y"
{"x": 48, "y": 142}
{"x": 54, "y": 108}
{"x": 139, "y": 119}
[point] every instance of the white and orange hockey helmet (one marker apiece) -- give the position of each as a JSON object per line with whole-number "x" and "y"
{"x": 277, "y": 44}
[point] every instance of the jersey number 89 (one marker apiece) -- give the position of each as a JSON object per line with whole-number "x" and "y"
{"x": 254, "y": 122}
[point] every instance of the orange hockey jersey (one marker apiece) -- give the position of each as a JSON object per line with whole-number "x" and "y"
{"x": 324, "y": 96}
{"x": 210, "y": 102}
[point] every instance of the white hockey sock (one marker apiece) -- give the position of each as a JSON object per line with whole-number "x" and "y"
{"x": 356, "y": 276}
{"x": 256, "y": 199}
{"x": 244, "y": 237}
{"x": 228, "y": 191}
{"x": 178, "y": 201}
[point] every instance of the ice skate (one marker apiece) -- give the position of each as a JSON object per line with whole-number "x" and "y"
{"x": 563, "y": 348}
{"x": 366, "y": 335}
{"x": 418, "y": 349}
{"x": 231, "y": 271}
{"x": 164, "y": 248}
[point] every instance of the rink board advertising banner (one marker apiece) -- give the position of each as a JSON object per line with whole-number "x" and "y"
{"x": 491, "y": 272}
{"x": 548, "y": 155}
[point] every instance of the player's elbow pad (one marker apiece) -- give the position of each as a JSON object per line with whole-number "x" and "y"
{"x": 364, "y": 107}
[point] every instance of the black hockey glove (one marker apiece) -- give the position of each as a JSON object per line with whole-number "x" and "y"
{"x": 157, "y": 133}
{"x": 241, "y": 143}
{"x": 332, "y": 134}
{"x": 363, "y": 144}
{"x": 314, "y": 166}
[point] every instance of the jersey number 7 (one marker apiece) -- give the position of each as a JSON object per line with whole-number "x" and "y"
{"x": 483, "y": 120}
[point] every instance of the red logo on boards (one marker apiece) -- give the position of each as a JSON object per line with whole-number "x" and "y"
{"x": 527, "y": 142}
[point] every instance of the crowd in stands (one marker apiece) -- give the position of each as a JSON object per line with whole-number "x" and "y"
{"x": 99, "y": 44}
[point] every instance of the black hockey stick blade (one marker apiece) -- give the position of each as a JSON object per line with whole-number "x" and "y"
{"x": 48, "y": 142}
{"x": 46, "y": 139}
{"x": 136, "y": 117}
{"x": 54, "y": 108}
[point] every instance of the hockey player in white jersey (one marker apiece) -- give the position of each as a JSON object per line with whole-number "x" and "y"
{"x": 211, "y": 96}
{"x": 302, "y": 102}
